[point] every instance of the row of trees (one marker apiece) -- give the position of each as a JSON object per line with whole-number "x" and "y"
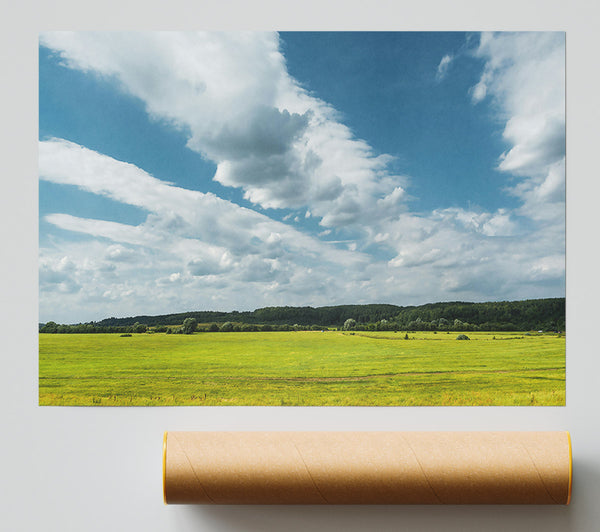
{"x": 91, "y": 327}
{"x": 534, "y": 314}
{"x": 531, "y": 314}
{"x": 435, "y": 325}
{"x": 189, "y": 326}
{"x": 333, "y": 316}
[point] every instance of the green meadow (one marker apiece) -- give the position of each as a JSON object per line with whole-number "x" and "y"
{"x": 302, "y": 368}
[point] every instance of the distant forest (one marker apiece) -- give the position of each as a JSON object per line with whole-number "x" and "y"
{"x": 531, "y": 314}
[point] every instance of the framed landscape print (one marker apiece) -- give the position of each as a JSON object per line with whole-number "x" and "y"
{"x": 304, "y": 218}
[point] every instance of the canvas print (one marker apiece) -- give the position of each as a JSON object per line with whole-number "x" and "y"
{"x": 304, "y": 218}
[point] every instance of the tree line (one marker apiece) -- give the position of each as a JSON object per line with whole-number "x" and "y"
{"x": 532, "y": 314}
{"x": 189, "y": 325}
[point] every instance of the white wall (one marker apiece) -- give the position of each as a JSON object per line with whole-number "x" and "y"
{"x": 97, "y": 469}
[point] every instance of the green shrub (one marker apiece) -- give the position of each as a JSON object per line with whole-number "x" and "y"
{"x": 189, "y": 325}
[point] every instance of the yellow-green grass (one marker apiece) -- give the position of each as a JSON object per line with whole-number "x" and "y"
{"x": 302, "y": 368}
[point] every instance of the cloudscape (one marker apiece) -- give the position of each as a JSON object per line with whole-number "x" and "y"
{"x": 232, "y": 171}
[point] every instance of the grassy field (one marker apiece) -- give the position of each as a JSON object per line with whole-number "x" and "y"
{"x": 302, "y": 368}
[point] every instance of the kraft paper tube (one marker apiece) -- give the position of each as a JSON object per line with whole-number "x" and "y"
{"x": 367, "y": 467}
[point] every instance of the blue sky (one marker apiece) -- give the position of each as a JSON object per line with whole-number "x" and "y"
{"x": 385, "y": 86}
{"x": 238, "y": 170}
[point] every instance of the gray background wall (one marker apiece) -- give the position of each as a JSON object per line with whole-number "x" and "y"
{"x": 97, "y": 469}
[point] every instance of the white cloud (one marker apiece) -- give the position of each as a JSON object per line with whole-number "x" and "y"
{"x": 58, "y": 274}
{"x": 548, "y": 267}
{"x": 524, "y": 75}
{"x": 442, "y": 69}
{"x": 196, "y": 240}
{"x": 232, "y": 94}
{"x": 175, "y": 212}
{"x": 472, "y": 255}
{"x": 499, "y": 223}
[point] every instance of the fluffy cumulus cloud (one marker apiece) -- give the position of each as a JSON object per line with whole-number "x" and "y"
{"x": 524, "y": 77}
{"x": 468, "y": 254}
{"x": 189, "y": 239}
{"x": 231, "y": 94}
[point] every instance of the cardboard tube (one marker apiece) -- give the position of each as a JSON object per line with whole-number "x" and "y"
{"x": 367, "y": 467}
